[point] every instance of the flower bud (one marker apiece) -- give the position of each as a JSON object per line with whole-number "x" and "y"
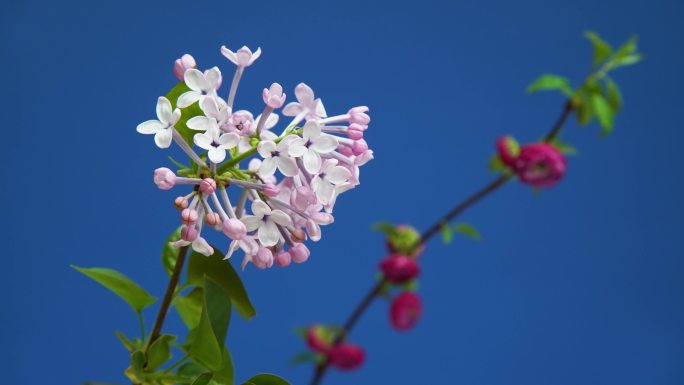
{"x": 303, "y": 197}
{"x": 271, "y": 190}
{"x": 540, "y": 165}
{"x": 263, "y": 258}
{"x": 300, "y": 253}
{"x": 283, "y": 259}
{"x": 189, "y": 216}
{"x": 405, "y": 240}
{"x": 274, "y": 96}
{"x": 508, "y": 149}
{"x": 346, "y": 356}
{"x": 208, "y": 186}
{"x": 181, "y": 203}
{"x": 359, "y": 147}
{"x": 183, "y": 64}
{"x": 405, "y": 310}
{"x": 189, "y": 233}
{"x": 164, "y": 178}
{"x": 399, "y": 269}
{"x": 358, "y": 115}
{"x": 234, "y": 228}
{"x": 212, "y": 219}
{"x": 316, "y": 339}
{"x": 298, "y": 235}
{"x": 345, "y": 150}
{"x": 354, "y": 134}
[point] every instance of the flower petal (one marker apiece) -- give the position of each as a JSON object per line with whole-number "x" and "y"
{"x": 267, "y": 167}
{"x": 266, "y": 148}
{"x": 188, "y": 98}
{"x": 268, "y": 234}
{"x": 203, "y": 141}
{"x": 337, "y": 174}
{"x": 150, "y": 127}
{"x": 217, "y": 154}
{"x": 287, "y": 166}
{"x": 230, "y": 55}
{"x": 201, "y": 246}
{"x": 279, "y": 217}
{"x": 312, "y": 161}
{"x": 213, "y": 76}
{"x": 201, "y": 123}
{"x": 292, "y": 109}
{"x": 296, "y": 148}
{"x": 324, "y": 192}
{"x": 305, "y": 94}
{"x": 195, "y": 80}
{"x": 325, "y": 144}
{"x": 311, "y": 130}
{"x": 163, "y": 138}
{"x": 229, "y": 140}
{"x": 259, "y": 208}
{"x": 164, "y": 110}
{"x": 251, "y": 222}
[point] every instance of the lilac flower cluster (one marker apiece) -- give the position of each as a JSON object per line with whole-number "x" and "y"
{"x": 292, "y": 179}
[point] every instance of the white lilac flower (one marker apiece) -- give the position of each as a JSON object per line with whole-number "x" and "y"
{"x": 311, "y": 146}
{"x": 276, "y": 157}
{"x": 242, "y": 57}
{"x": 201, "y": 85}
{"x": 305, "y": 106}
{"x": 216, "y": 114}
{"x": 217, "y": 143}
{"x": 330, "y": 176}
{"x": 163, "y": 127}
{"x": 265, "y": 222}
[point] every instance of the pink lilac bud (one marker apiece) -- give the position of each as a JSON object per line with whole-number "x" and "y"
{"x": 183, "y": 64}
{"x": 234, "y": 228}
{"x": 212, "y": 219}
{"x": 263, "y": 258}
{"x": 189, "y": 216}
{"x": 345, "y": 150}
{"x": 283, "y": 259}
{"x": 405, "y": 311}
{"x": 354, "y": 133}
{"x": 271, "y": 190}
{"x": 298, "y": 235}
{"x": 303, "y": 197}
{"x": 315, "y": 340}
{"x": 346, "y": 356}
{"x": 358, "y": 127}
{"x": 181, "y": 203}
{"x": 189, "y": 233}
{"x": 399, "y": 269}
{"x": 208, "y": 186}
{"x": 358, "y": 115}
{"x": 508, "y": 149}
{"x": 359, "y": 147}
{"x": 540, "y": 165}
{"x": 274, "y": 96}
{"x": 164, "y": 178}
{"x": 300, "y": 253}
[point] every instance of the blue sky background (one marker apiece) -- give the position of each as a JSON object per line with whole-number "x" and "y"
{"x": 581, "y": 285}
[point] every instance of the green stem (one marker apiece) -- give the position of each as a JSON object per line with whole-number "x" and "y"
{"x": 176, "y": 364}
{"x": 141, "y": 322}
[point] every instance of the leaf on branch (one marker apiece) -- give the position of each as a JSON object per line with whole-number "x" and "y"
{"x": 218, "y": 307}
{"x": 613, "y": 94}
{"x": 627, "y": 53}
{"x": 604, "y": 113}
{"x": 564, "y": 147}
{"x": 549, "y": 82}
{"x": 266, "y": 379}
{"x": 160, "y": 351}
{"x": 137, "y": 297}
{"x": 189, "y": 307}
{"x": 203, "y": 379}
{"x": 186, "y": 113}
{"x": 602, "y": 50}
{"x": 128, "y": 344}
{"x": 385, "y": 227}
{"x": 468, "y": 230}
{"x": 447, "y": 234}
{"x": 203, "y": 345}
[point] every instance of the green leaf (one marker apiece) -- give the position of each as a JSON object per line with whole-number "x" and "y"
{"x": 222, "y": 272}
{"x": 186, "y": 113}
{"x": 226, "y": 374}
{"x": 613, "y": 94}
{"x": 496, "y": 164}
{"x": 564, "y": 147}
{"x": 204, "y": 348}
{"x": 189, "y": 307}
{"x": 604, "y": 113}
{"x": 190, "y": 369}
{"x": 447, "y": 234}
{"x": 160, "y": 351}
{"x": 583, "y": 108}
{"x": 548, "y": 82}
{"x": 203, "y": 379}
{"x": 128, "y": 344}
{"x": 468, "y": 230}
{"x": 306, "y": 357}
{"x": 137, "y": 297}
{"x": 218, "y": 307}
{"x": 267, "y": 379}
{"x": 628, "y": 60}
{"x": 169, "y": 253}
{"x": 386, "y": 228}
{"x": 602, "y": 49}
{"x": 627, "y": 53}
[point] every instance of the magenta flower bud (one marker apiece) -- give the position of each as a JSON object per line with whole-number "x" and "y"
{"x": 181, "y": 203}
{"x": 346, "y": 151}
{"x": 358, "y": 115}
{"x": 399, "y": 269}
{"x": 189, "y": 233}
{"x": 508, "y": 149}
{"x": 346, "y": 356}
{"x": 315, "y": 339}
{"x": 164, "y": 178}
{"x": 271, "y": 190}
{"x": 300, "y": 253}
{"x": 298, "y": 235}
{"x": 183, "y": 64}
{"x": 212, "y": 219}
{"x": 283, "y": 259}
{"x": 274, "y": 96}
{"x": 358, "y": 127}
{"x": 208, "y": 186}
{"x": 234, "y": 228}
{"x": 263, "y": 258}
{"x": 540, "y": 165}
{"x": 405, "y": 311}
{"x": 189, "y": 216}
{"x": 354, "y": 133}
{"x": 359, "y": 147}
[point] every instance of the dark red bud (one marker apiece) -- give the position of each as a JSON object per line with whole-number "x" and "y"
{"x": 405, "y": 311}
{"x": 346, "y": 356}
{"x": 399, "y": 268}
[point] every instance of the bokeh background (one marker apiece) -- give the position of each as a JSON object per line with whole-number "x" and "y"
{"x": 580, "y": 285}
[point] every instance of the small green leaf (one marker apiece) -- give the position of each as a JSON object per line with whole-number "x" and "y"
{"x": 496, "y": 164}
{"x": 628, "y": 60}
{"x": 222, "y": 272}
{"x": 203, "y": 379}
{"x": 385, "y": 227}
{"x": 190, "y": 369}
{"x": 178, "y": 164}
{"x": 447, "y": 234}
{"x": 218, "y": 308}
{"x": 548, "y": 82}
{"x": 613, "y": 94}
{"x": 564, "y": 147}
{"x": 267, "y": 379}
{"x": 468, "y": 230}
{"x": 583, "y": 108}
{"x": 601, "y": 48}
{"x": 306, "y": 357}
{"x": 160, "y": 351}
{"x": 169, "y": 253}
{"x": 204, "y": 347}
{"x": 137, "y": 297}
{"x": 128, "y": 344}
{"x": 627, "y": 53}
{"x": 604, "y": 113}
{"x": 189, "y": 307}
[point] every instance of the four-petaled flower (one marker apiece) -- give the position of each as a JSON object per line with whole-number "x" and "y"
{"x": 265, "y": 221}
{"x": 216, "y": 143}
{"x": 310, "y": 108}
{"x": 243, "y": 57}
{"x": 162, "y": 128}
{"x": 201, "y": 85}
{"x": 276, "y": 156}
{"x": 331, "y": 175}
{"x": 312, "y": 145}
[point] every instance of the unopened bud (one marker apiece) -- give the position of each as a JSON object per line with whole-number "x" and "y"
{"x": 189, "y": 216}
